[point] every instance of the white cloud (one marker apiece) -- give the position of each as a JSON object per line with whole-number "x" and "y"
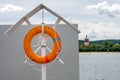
{"x": 10, "y": 8}
{"x": 94, "y": 27}
{"x": 97, "y": 30}
{"x": 104, "y": 8}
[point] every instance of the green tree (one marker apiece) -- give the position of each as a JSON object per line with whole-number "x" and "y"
{"x": 105, "y": 46}
{"x": 116, "y": 47}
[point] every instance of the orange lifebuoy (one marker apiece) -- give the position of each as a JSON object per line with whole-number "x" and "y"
{"x": 37, "y": 58}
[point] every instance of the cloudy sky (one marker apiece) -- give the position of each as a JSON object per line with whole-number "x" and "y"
{"x": 99, "y": 19}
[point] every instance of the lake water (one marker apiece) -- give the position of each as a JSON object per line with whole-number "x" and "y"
{"x": 99, "y": 66}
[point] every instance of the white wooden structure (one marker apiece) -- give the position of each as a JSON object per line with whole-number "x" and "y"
{"x": 33, "y": 12}
{"x": 44, "y": 39}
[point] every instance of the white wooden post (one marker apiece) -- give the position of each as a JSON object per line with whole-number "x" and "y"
{"x": 43, "y": 53}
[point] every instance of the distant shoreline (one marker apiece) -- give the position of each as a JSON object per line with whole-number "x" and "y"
{"x": 99, "y": 52}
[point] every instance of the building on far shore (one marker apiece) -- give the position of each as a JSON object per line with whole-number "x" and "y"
{"x": 86, "y": 41}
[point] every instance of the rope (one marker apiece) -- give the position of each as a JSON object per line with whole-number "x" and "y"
{"x": 36, "y": 44}
{"x": 27, "y": 60}
{"x": 57, "y": 43}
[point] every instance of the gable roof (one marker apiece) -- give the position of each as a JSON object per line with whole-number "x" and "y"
{"x": 33, "y": 12}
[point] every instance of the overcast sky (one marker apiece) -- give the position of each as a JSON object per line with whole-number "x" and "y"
{"x": 99, "y": 19}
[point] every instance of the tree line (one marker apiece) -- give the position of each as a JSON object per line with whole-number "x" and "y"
{"x": 106, "y": 46}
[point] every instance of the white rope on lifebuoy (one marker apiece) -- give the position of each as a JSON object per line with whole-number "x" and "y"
{"x": 49, "y": 57}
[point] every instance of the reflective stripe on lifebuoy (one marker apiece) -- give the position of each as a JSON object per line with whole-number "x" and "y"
{"x": 37, "y": 58}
